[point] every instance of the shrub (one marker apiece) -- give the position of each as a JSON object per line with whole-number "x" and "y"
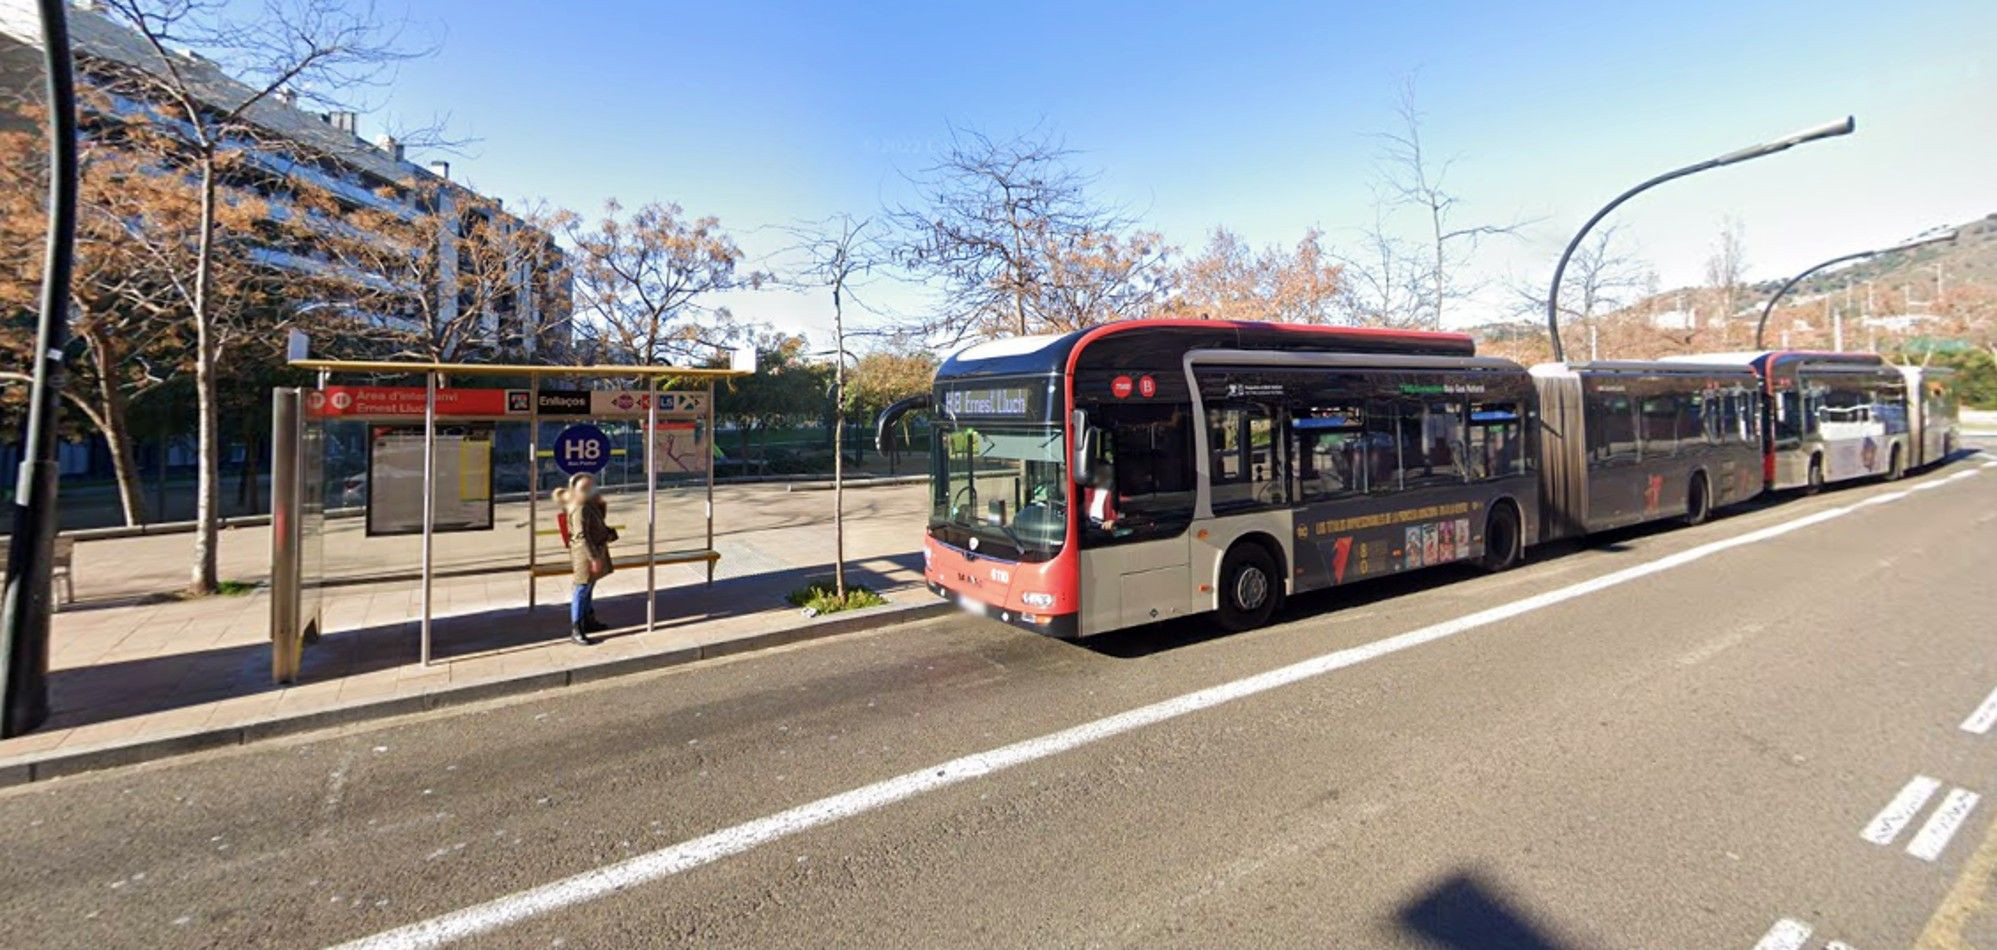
{"x": 818, "y": 598}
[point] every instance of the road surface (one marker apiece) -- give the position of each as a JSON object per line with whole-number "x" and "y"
{"x": 1763, "y": 730}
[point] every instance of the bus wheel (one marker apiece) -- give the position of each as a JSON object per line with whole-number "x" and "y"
{"x": 1816, "y": 483}
{"x": 1897, "y": 468}
{"x": 1248, "y": 587}
{"x": 1698, "y": 503}
{"x": 1504, "y": 546}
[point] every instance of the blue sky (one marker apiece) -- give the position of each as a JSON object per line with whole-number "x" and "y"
{"x": 1250, "y": 115}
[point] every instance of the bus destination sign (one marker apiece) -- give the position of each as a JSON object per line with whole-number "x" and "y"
{"x": 1002, "y": 402}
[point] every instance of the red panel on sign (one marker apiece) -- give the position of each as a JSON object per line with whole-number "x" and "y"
{"x": 1147, "y": 387}
{"x": 1120, "y": 387}
{"x": 408, "y": 401}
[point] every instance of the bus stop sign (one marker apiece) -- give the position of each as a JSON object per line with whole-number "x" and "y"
{"x": 582, "y": 448}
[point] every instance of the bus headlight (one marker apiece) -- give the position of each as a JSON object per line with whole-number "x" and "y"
{"x": 1032, "y": 599}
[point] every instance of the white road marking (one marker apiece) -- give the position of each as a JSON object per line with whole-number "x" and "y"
{"x": 1838, "y": 945}
{"x": 1717, "y": 646}
{"x": 1933, "y": 838}
{"x": 1899, "y": 812}
{"x": 665, "y": 862}
{"x": 1785, "y": 935}
{"x": 1984, "y": 717}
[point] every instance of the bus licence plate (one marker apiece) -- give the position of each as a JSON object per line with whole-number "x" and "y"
{"x": 971, "y": 604}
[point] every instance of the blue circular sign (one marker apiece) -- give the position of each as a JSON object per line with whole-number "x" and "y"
{"x": 582, "y": 448}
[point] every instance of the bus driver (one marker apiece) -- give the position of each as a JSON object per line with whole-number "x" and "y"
{"x": 1099, "y": 498}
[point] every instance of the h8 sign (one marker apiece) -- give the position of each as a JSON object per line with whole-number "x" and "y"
{"x": 582, "y": 448}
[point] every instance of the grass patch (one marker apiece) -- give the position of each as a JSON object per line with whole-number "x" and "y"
{"x": 234, "y": 588}
{"x": 819, "y": 598}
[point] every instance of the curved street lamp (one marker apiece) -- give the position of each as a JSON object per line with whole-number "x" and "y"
{"x": 1828, "y": 130}
{"x": 1762, "y": 326}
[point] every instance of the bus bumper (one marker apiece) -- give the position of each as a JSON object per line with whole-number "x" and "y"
{"x": 1058, "y": 626}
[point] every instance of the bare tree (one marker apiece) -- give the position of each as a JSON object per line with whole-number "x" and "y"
{"x": 1385, "y": 281}
{"x": 1010, "y": 231}
{"x": 1600, "y": 277}
{"x": 644, "y": 283}
{"x": 1726, "y": 271}
{"x": 325, "y": 51}
{"x": 1415, "y": 178}
{"x": 838, "y": 253}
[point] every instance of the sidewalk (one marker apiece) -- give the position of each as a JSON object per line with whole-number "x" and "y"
{"x": 134, "y": 675}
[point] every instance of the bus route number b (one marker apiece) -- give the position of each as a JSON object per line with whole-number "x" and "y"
{"x": 581, "y": 448}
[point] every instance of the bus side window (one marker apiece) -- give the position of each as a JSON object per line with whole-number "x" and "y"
{"x": 1437, "y": 449}
{"x": 1661, "y": 416}
{"x": 1383, "y": 448}
{"x": 1330, "y": 451}
{"x": 1495, "y": 450}
{"x": 1611, "y": 428}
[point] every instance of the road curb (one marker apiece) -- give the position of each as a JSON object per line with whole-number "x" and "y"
{"x": 36, "y": 767}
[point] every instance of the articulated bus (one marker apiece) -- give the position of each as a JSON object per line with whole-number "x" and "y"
{"x": 1828, "y": 417}
{"x": 1143, "y": 470}
{"x": 1628, "y": 442}
{"x": 1149, "y": 469}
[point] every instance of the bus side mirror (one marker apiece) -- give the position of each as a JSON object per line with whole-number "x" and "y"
{"x": 1085, "y": 445}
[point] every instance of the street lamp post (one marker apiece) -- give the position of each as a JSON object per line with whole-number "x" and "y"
{"x": 1828, "y": 130}
{"x": 24, "y": 605}
{"x": 1762, "y": 326}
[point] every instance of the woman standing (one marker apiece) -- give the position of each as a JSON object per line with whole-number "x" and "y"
{"x": 588, "y": 538}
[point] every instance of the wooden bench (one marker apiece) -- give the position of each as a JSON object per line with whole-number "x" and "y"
{"x": 696, "y": 556}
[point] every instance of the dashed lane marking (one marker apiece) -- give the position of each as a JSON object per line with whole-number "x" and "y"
{"x": 1900, "y": 812}
{"x": 1933, "y": 838}
{"x": 707, "y": 849}
{"x": 1785, "y": 935}
{"x": 1984, "y": 717}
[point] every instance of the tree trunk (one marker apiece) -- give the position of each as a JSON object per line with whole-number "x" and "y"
{"x": 1435, "y": 219}
{"x": 118, "y": 438}
{"x": 112, "y": 418}
{"x": 838, "y": 449}
{"x": 204, "y": 576}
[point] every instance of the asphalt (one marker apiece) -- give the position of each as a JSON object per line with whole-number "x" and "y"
{"x": 1679, "y": 759}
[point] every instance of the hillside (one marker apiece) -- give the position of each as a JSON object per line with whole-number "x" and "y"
{"x": 1972, "y": 258}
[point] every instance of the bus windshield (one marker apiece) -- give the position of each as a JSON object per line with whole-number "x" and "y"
{"x": 1001, "y": 491}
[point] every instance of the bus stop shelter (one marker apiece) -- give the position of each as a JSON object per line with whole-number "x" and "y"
{"x": 674, "y": 405}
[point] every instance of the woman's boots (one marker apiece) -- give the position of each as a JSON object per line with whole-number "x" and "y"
{"x": 592, "y": 625}
{"x": 579, "y": 634}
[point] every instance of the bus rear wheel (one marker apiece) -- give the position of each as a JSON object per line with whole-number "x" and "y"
{"x": 1896, "y": 469}
{"x": 1504, "y": 545}
{"x": 1698, "y": 502}
{"x": 1248, "y": 587}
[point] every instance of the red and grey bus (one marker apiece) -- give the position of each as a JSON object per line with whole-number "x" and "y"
{"x": 1828, "y": 417}
{"x": 1143, "y": 470}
